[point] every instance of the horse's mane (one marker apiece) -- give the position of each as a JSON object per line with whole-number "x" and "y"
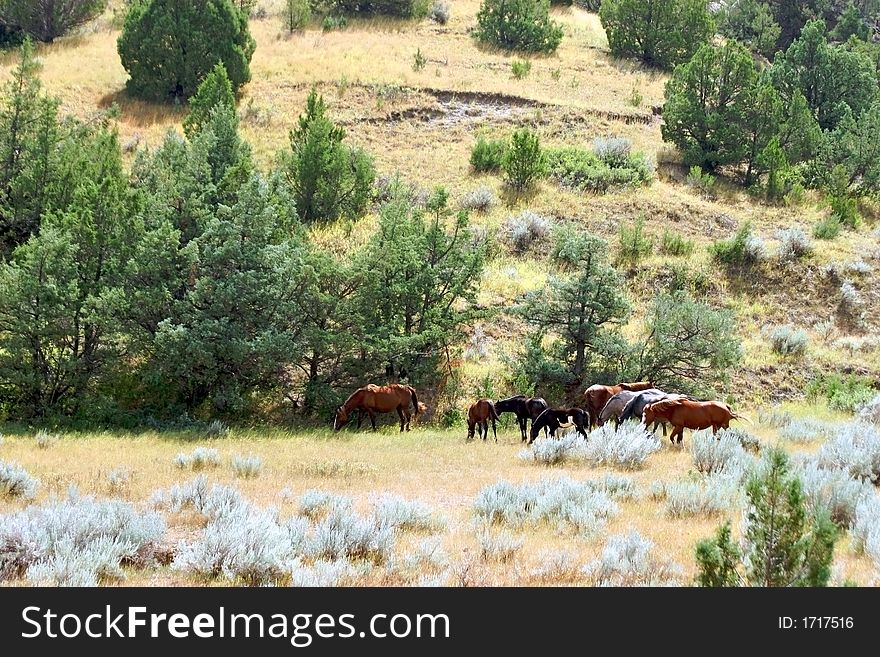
{"x": 350, "y": 397}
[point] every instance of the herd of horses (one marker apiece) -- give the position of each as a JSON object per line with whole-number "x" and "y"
{"x": 618, "y": 403}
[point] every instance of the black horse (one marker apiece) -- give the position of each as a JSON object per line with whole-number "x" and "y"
{"x": 525, "y": 409}
{"x": 553, "y": 418}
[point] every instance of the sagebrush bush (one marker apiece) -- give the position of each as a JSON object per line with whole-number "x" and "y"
{"x": 850, "y": 297}
{"x": 563, "y": 503}
{"x": 557, "y": 566}
{"x": 627, "y": 447}
{"x": 518, "y": 25}
{"x": 246, "y": 467}
{"x": 553, "y": 451}
{"x": 713, "y": 495}
{"x": 721, "y": 452}
{"x": 833, "y": 490}
{"x": 15, "y": 481}
{"x": 613, "y": 151}
{"x": 315, "y": 503}
{"x": 804, "y": 430}
{"x": 216, "y": 429}
{"x": 870, "y": 410}
{"x": 628, "y": 560}
{"x": 200, "y": 458}
{"x": 488, "y": 154}
{"x": 345, "y": 534}
{"x": 497, "y": 545}
{"x": 582, "y": 170}
{"x": 406, "y": 515}
{"x": 794, "y": 243}
{"x": 865, "y": 528}
{"x": 743, "y": 249}
{"x": 855, "y": 448}
{"x": 525, "y": 229}
{"x": 480, "y": 199}
{"x": 325, "y": 573}
{"x": 78, "y": 541}
{"x": 786, "y": 340}
{"x": 45, "y": 439}
{"x": 440, "y": 12}
{"x": 210, "y": 501}
{"x": 118, "y": 478}
{"x": 675, "y": 245}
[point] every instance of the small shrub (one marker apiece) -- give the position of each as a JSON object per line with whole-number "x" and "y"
{"x": 702, "y": 182}
{"x": 805, "y": 430}
{"x": 406, "y": 515}
{"x": 419, "y": 60}
{"x": 721, "y": 452}
{"x": 834, "y": 491}
{"x": 850, "y": 298}
{"x": 828, "y": 228}
{"x": 480, "y": 200}
{"x": 634, "y": 244}
{"x": 635, "y": 98}
{"x": 216, "y": 429}
{"x": 582, "y": 170}
{"x": 563, "y": 503}
{"x": 742, "y": 249}
{"x": 627, "y": 448}
{"x": 297, "y": 14}
{"x": 859, "y": 267}
{"x": 331, "y": 23}
{"x": 246, "y": 467}
{"x": 16, "y": 482}
{"x": 440, "y": 12}
{"x": 315, "y": 503}
{"x": 324, "y": 573}
{"x": 794, "y": 244}
{"x": 118, "y": 479}
{"x": 211, "y": 502}
{"x": 714, "y": 495}
{"x": 524, "y": 163}
{"x": 843, "y": 393}
{"x": 520, "y": 68}
{"x": 200, "y": 458}
{"x": 557, "y": 567}
{"x": 344, "y": 534}
{"x": 553, "y": 451}
{"x": 526, "y": 229}
{"x": 774, "y": 418}
{"x": 518, "y": 25}
{"x": 45, "y": 440}
{"x": 866, "y": 528}
{"x": 870, "y": 410}
{"x": 675, "y": 245}
{"x": 854, "y": 448}
{"x": 613, "y": 151}
{"x": 497, "y": 545}
{"x": 488, "y": 154}
{"x": 785, "y": 340}
{"x": 627, "y": 560}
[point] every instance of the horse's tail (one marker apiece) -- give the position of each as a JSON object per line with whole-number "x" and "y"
{"x": 415, "y": 400}
{"x": 741, "y": 417}
{"x": 493, "y": 413}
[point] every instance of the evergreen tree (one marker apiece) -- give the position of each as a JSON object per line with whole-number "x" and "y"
{"x": 750, "y": 22}
{"x": 799, "y": 133}
{"x": 215, "y": 89}
{"x": 523, "y": 161}
{"x": 762, "y": 118}
{"x": 329, "y": 179}
{"x": 46, "y": 20}
{"x": 850, "y": 24}
{"x": 661, "y": 33}
{"x": 169, "y": 46}
{"x": 518, "y": 25}
{"x": 707, "y": 105}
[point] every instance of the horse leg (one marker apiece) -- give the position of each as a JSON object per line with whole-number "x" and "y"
{"x": 402, "y": 417}
{"x": 494, "y": 430}
{"x": 360, "y": 418}
{"x": 372, "y": 415}
{"x": 522, "y": 427}
{"x": 485, "y": 427}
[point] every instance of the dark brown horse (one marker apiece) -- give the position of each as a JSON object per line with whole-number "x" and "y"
{"x": 372, "y": 399}
{"x": 525, "y": 409}
{"x": 479, "y": 415}
{"x": 554, "y": 418}
{"x": 689, "y": 414}
{"x": 596, "y": 396}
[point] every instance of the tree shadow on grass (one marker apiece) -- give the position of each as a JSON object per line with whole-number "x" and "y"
{"x": 141, "y": 113}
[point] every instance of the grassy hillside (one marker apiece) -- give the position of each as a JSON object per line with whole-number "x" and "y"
{"x": 422, "y": 124}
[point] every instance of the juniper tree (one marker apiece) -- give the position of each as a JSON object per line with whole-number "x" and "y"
{"x": 46, "y": 20}
{"x": 214, "y": 90}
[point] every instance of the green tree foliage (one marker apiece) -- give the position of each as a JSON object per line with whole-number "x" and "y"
{"x": 576, "y": 311}
{"x": 215, "y": 89}
{"x": 29, "y": 135}
{"x": 686, "y": 344}
{"x": 792, "y": 15}
{"x": 750, "y": 22}
{"x": 833, "y": 80}
{"x": 169, "y": 46}
{"x": 297, "y": 14}
{"x": 523, "y": 161}
{"x": 784, "y": 543}
{"x": 419, "y": 275}
{"x": 57, "y": 288}
{"x": 329, "y": 178}
{"x": 854, "y": 145}
{"x": 46, "y": 20}
{"x": 774, "y": 162}
{"x": 850, "y": 24}
{"x": 799, "y": 133}
{"x": 661, "y": 33}
{"x": 762, "y": 118}
{"x": 518, "y": 25}
{"x": 707, "y": 105}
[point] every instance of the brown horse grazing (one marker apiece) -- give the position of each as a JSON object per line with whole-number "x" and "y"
{"x": 553, "y": 419}
{"x": 373, "y": 399}
{"x": 597, "y": 396}
{"x": 479, "y": 414}
{"x": 689, "y": 414}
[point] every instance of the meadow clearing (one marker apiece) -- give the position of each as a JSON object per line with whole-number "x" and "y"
{"x": 422, "y": 124}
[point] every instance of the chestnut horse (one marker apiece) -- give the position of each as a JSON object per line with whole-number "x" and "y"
{"x": 479, "y": 415}
{"x": 553, "y": 419}
{"x": 373, "y": 399}
{"x": 689, "y": 414}
{"x": 597, "y": 396}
